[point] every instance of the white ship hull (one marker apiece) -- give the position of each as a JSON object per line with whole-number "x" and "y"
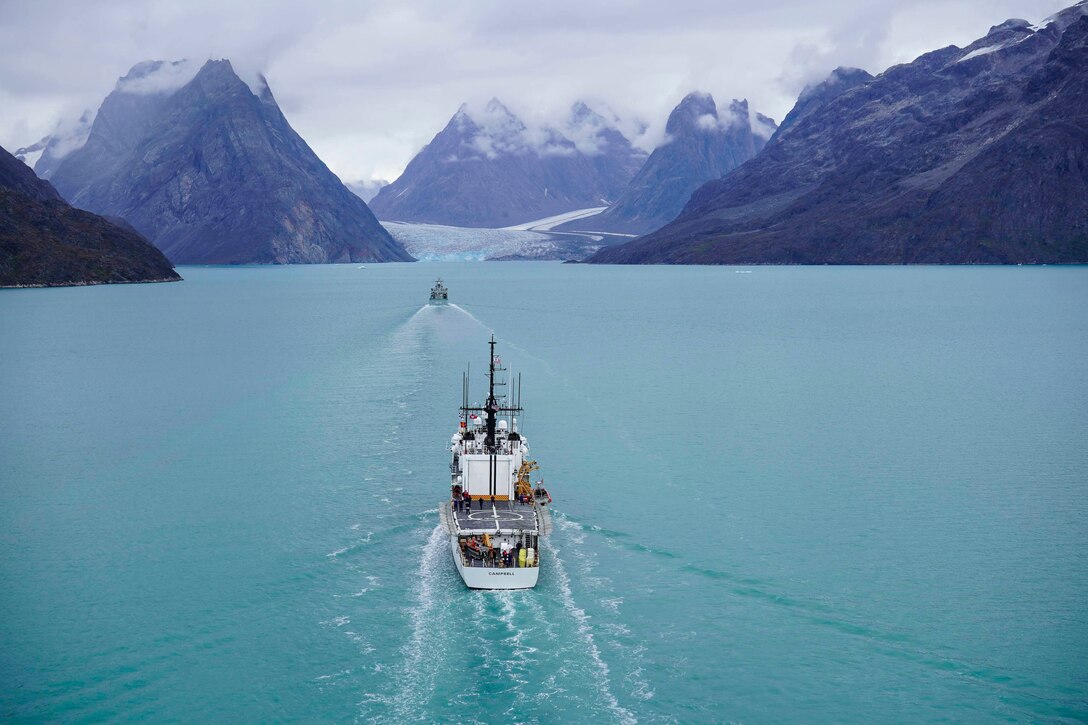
{"x": 493, "y": 516}
{"x": 493, "y": 578}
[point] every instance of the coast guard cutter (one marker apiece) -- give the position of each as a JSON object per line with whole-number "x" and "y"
{"x": 495, "y": 515}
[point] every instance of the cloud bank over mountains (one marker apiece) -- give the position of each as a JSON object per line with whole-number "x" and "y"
{"x": 495, "y": 131}
{"x": 368, "y": 84}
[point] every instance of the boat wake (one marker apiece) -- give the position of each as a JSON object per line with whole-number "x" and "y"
{"x": 448, "y": 324}
{"x": 469, "y": 315}
{"x": 502, "y": 634}
{"x": 424, "y": 651}
{"x": 816, "y": 613}
{"x": 627, "y": 650}
{"x": 524, "y": 653}
{"x": 585, "y": 632}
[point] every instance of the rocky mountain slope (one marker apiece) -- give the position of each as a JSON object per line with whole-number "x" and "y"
{"x": 813, "y": 97}
{"x": 965, "y": 155}
{"x": 209, "y": 169}
{"x": 701, "y": 144}
{"x": 44, "y": 242}
{"x": 486, "y": 168}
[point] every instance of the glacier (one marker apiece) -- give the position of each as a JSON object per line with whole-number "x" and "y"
{"x": 436, "y": 242}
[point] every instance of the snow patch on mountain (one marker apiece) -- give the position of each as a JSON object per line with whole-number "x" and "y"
{"x": 987, "y": 50}
{"x": 1063, "y": 18}
{"x": 549, "y": 223}
{"x": 982, "y": 51}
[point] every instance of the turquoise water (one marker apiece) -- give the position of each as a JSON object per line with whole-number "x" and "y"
{"x": 800, "y": 494}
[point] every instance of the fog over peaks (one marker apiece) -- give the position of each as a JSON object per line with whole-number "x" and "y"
{"x": 369, "y": 84}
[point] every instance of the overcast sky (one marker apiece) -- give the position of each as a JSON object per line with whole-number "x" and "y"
{"x": 368, "y": 83}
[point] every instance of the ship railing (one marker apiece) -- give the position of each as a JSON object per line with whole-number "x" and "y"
{"x": 483, "y": 563}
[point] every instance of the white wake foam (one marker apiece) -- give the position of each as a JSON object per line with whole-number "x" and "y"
{"x": 468, "y": 314}
{"x": 585, "y": 631}
{"x": 631, "y": 655}
{"x": 419, "y": 670}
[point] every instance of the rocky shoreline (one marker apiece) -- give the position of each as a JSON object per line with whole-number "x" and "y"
{"x": 90, "y": 283}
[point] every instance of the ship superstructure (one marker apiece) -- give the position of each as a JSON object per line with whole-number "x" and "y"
{"x": 439, "y": 294}
{"x": 495, "y": 515}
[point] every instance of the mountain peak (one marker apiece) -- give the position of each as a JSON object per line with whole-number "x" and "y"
{"x": 817, "y": 95}
{"x": 697, "y": 96}
{"x": 155, "y": 157}
{"x": 696, "y": 110}
{"x": 494, "y": 115}
{"x": 488, "y": 168}
{"x": 157, "y": 77}
{"x": 703, "y": 145}
{"x": 495, "y": 106}
{"x": 217, "y": 71}
{"x": 838, "y": 80}
{"x": 583, "y": 116}
{"x": 164, "y": 78}
{"x": 1011, "y": 24}
{"x": 579, "y": 109}
{"x": 739, "y": 113}
{"x": 144, "y": 68}
{"x": 698, "y": 100}
{"x": 763, "y": 126}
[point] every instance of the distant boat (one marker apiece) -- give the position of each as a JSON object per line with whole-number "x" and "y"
{"x": 439, "y": 294}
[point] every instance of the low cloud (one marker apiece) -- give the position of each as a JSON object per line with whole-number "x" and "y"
{"x": 726, "y": 119}
{"x": 499, "y": 131}
{"x": 368, "y": 84}
{"x": 707, "y": 122}
{"x": 158, "y": 77}
{"x": 366, "y": 189}
{"x": 762, "y": 126}
{"x": 71, "y": 135}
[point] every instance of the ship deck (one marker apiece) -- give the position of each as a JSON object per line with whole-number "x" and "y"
{"x": 507, "y": 514}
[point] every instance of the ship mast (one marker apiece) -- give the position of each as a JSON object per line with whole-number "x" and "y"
{"x": 492, "y": 408}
